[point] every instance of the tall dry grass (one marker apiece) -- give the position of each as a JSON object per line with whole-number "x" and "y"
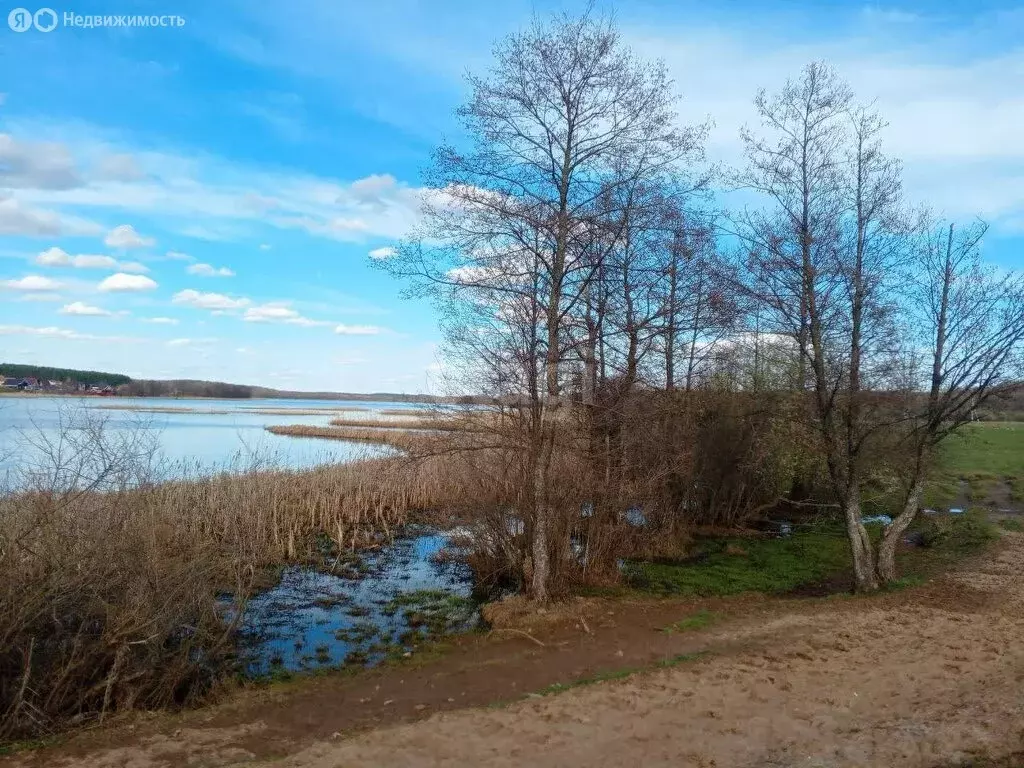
{"x": 117, "y": 588}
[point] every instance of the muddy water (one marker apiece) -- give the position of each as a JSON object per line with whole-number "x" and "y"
{"x": 383, "y": 603}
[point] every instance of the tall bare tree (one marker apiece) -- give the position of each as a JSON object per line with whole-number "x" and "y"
{"x": 564, "y": 121}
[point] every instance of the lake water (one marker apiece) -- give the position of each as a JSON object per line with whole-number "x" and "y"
{"x": 207, "y": 435}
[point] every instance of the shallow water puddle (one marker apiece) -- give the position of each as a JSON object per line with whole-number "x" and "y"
{"x": 382, "y": 604}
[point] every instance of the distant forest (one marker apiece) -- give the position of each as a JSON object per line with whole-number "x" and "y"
{"x": 219, "y": 389}
{"x": 129, "y": 387}
{"x": 89, "y": 378}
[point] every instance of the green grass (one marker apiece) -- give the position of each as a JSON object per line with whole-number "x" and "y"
{"x": 1012, "y": 524}
{"x": 768, "y": 565}
{"x": 817, "y": 556}
{"x": 982, "y": 456}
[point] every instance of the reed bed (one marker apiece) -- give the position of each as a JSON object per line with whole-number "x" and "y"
{"x": 402, "y": 438}
{"x": 119, "y": 590}
{"x": 444, "y": 425}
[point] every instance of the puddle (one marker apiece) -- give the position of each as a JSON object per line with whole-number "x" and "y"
{"x": 394, "y": 597}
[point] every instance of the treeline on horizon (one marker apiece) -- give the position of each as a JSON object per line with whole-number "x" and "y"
{"x": 90, "y": 378}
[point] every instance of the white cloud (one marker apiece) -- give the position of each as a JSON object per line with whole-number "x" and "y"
{"x": 207, "y": 270}
{"x": 192, "y": 298}
{"x": 125, "y": 236}
{"x": 213, "y": 199}
{"x": 382, "y": 253}
{"x": 58, "y": 257}
{"x": 18, "y": 218}
{"x": 357, "y": 330}
{"x": 264, "y": 246}
{"x": 84, "y": 310}
{"x": 53, "y": 257}
{"x": 160, "y": 320}
{"x": 32, "y": 283}
{"x": 121, "y": 281}
{"x": 269, "y": 313}
{"x": 953, "y": 120}
{"x": 30, "y": 165}
{"x": 280, "y": 313}
{"x": 178, "y": 256}
{"x": 189, "y": 342}
{"x": 119, "y": 167}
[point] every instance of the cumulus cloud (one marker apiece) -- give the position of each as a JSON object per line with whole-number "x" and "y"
{"x": 32, "y": 283}
{"x": 124, "y": 282}
{"x": 208, "y": 270}
{"x": 32, "y": 165}
{"x": 125, "y": 236}
{"x": 160, "y": 320}
{"x": 357, "y": 330}
{"x": 58, "y": 257}
{"x": 382, "y": 253}
{"x": 84, "y": 310}
{"x": 216, "y": 301}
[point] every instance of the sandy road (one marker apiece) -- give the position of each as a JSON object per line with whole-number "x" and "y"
{"x": 921, "y": 685}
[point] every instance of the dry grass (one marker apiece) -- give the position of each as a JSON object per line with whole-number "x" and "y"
{"x": 117, "y": 591}
{"x": 403, "y": 439}
{"x": 445, "y": 425}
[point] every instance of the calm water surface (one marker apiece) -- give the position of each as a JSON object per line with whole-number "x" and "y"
{"x": 212, "y": 435}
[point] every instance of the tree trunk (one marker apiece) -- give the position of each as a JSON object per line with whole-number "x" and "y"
{"x": 893, "y": 534}
{"x": 860, "y": 546}
{"x": 541, "y": 522}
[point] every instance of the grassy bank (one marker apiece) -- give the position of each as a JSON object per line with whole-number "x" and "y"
{"x": 813, "y": 560}
{"x": 981, "y": 464}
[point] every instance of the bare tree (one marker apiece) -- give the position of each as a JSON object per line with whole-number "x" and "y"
{"x": 821, "y": 265}
{"x": 517, "y": 228}
{"x": 971, "y": 318}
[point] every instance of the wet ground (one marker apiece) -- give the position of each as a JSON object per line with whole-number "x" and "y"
{"x": 358, "y": 611}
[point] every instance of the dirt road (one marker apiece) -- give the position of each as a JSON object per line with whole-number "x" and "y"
{"x": 927, "y": 678}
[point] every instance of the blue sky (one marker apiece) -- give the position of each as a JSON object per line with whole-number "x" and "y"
{"x": 203, "y": 201}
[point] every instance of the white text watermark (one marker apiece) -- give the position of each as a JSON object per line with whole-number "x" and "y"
{"x": 47, "y": 20}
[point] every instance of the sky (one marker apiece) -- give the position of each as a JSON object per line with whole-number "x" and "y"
{"x": 207, "y": 200}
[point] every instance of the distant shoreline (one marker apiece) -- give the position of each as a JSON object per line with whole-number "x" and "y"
{"x": 414, "y": 399}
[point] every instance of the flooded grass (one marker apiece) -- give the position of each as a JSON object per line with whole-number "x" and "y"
{"x": 395, "y": 599}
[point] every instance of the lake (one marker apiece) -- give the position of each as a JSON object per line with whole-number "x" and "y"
{"x": 206, "y": 435}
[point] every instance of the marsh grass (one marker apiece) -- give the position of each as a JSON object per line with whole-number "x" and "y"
{"x": 120, "y": 590}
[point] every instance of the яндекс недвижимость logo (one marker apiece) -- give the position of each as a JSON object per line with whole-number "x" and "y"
{"x": 22, "y": 19}
{"x": 46, "y": 20}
